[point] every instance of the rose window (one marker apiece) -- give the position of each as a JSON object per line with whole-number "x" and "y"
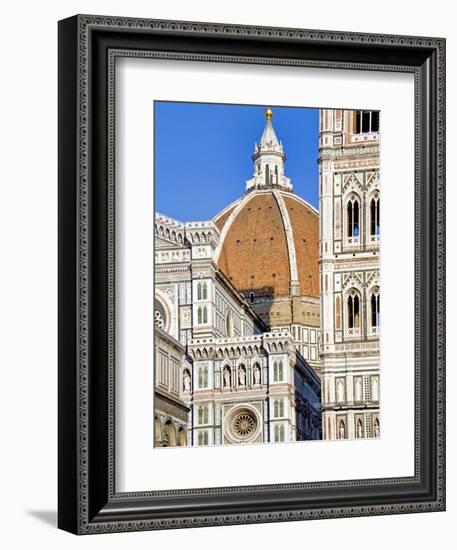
{"x": 244, "y": 424}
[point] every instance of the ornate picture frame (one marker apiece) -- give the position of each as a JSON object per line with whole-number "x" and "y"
{"x": 88, "y": 500}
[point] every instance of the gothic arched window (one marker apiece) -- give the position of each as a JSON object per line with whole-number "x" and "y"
{"x": 202, "y": 315}
{"x": 374, "y": 216}
{"x": 353, "y": 305}
{"x": 279, "y": 433}
{"x": 204, "y": 290}
{"x": 375, "y": 304}
{"x": 203, "y": 377}
{"x": 358, "y": 389}
{"x": 278, "y": 408}
{"x": 278, "y": 372}
{"x": 199, "y": 291}
{"x": 353, "y": 219}
{"x": 203, "y": 438}
{"x": 203, "y": 415}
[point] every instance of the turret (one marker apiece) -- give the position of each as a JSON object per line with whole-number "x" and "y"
{"x": 269, "y": 160}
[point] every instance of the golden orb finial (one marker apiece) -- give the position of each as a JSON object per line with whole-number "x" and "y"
{"x": 268, "y": 114}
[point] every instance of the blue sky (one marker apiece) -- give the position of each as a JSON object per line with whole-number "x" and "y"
{"x": 203, "y": 154}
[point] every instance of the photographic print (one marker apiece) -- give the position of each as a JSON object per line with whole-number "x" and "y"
{"x": 267, "y": 274}
{"x": 220, "y": 276}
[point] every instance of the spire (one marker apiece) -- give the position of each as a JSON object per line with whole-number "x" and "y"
{"x": 268, "y": 160}
{"x": 269, "y": 139}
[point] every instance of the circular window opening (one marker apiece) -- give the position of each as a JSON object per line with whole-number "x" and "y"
{"x": 244, "y": 424}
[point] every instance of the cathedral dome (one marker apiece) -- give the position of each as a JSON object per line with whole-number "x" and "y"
{"x": 270, "y": 244}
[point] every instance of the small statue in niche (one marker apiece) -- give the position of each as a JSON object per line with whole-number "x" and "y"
{"x": 186, "y": 381}
{"x": 256, "y": 376}
{"x": 226, "y": 378}
{"x": 376, "y": 428}
{"x": 359, "y": 430}
{"x": 342, "y": 431}
{"x": 242, "y": 377}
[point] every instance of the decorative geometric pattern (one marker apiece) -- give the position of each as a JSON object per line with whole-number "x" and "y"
{"x": 158, "y": 319}
{"x": 244, "y": 424}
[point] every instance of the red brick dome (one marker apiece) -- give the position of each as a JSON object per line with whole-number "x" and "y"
{"x": 270, "y": 239}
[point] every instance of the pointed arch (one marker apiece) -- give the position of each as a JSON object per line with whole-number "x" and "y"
{"x": 375, "y": 308}
{"x": 373, "y": 209}
{"x": 353, "y": 312}
{"x": 353, "y": 218}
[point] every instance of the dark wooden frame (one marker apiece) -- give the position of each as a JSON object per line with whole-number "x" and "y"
{"x": 88, "y": 46}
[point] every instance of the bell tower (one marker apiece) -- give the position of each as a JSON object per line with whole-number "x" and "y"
{"x": 349, "y": 269}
